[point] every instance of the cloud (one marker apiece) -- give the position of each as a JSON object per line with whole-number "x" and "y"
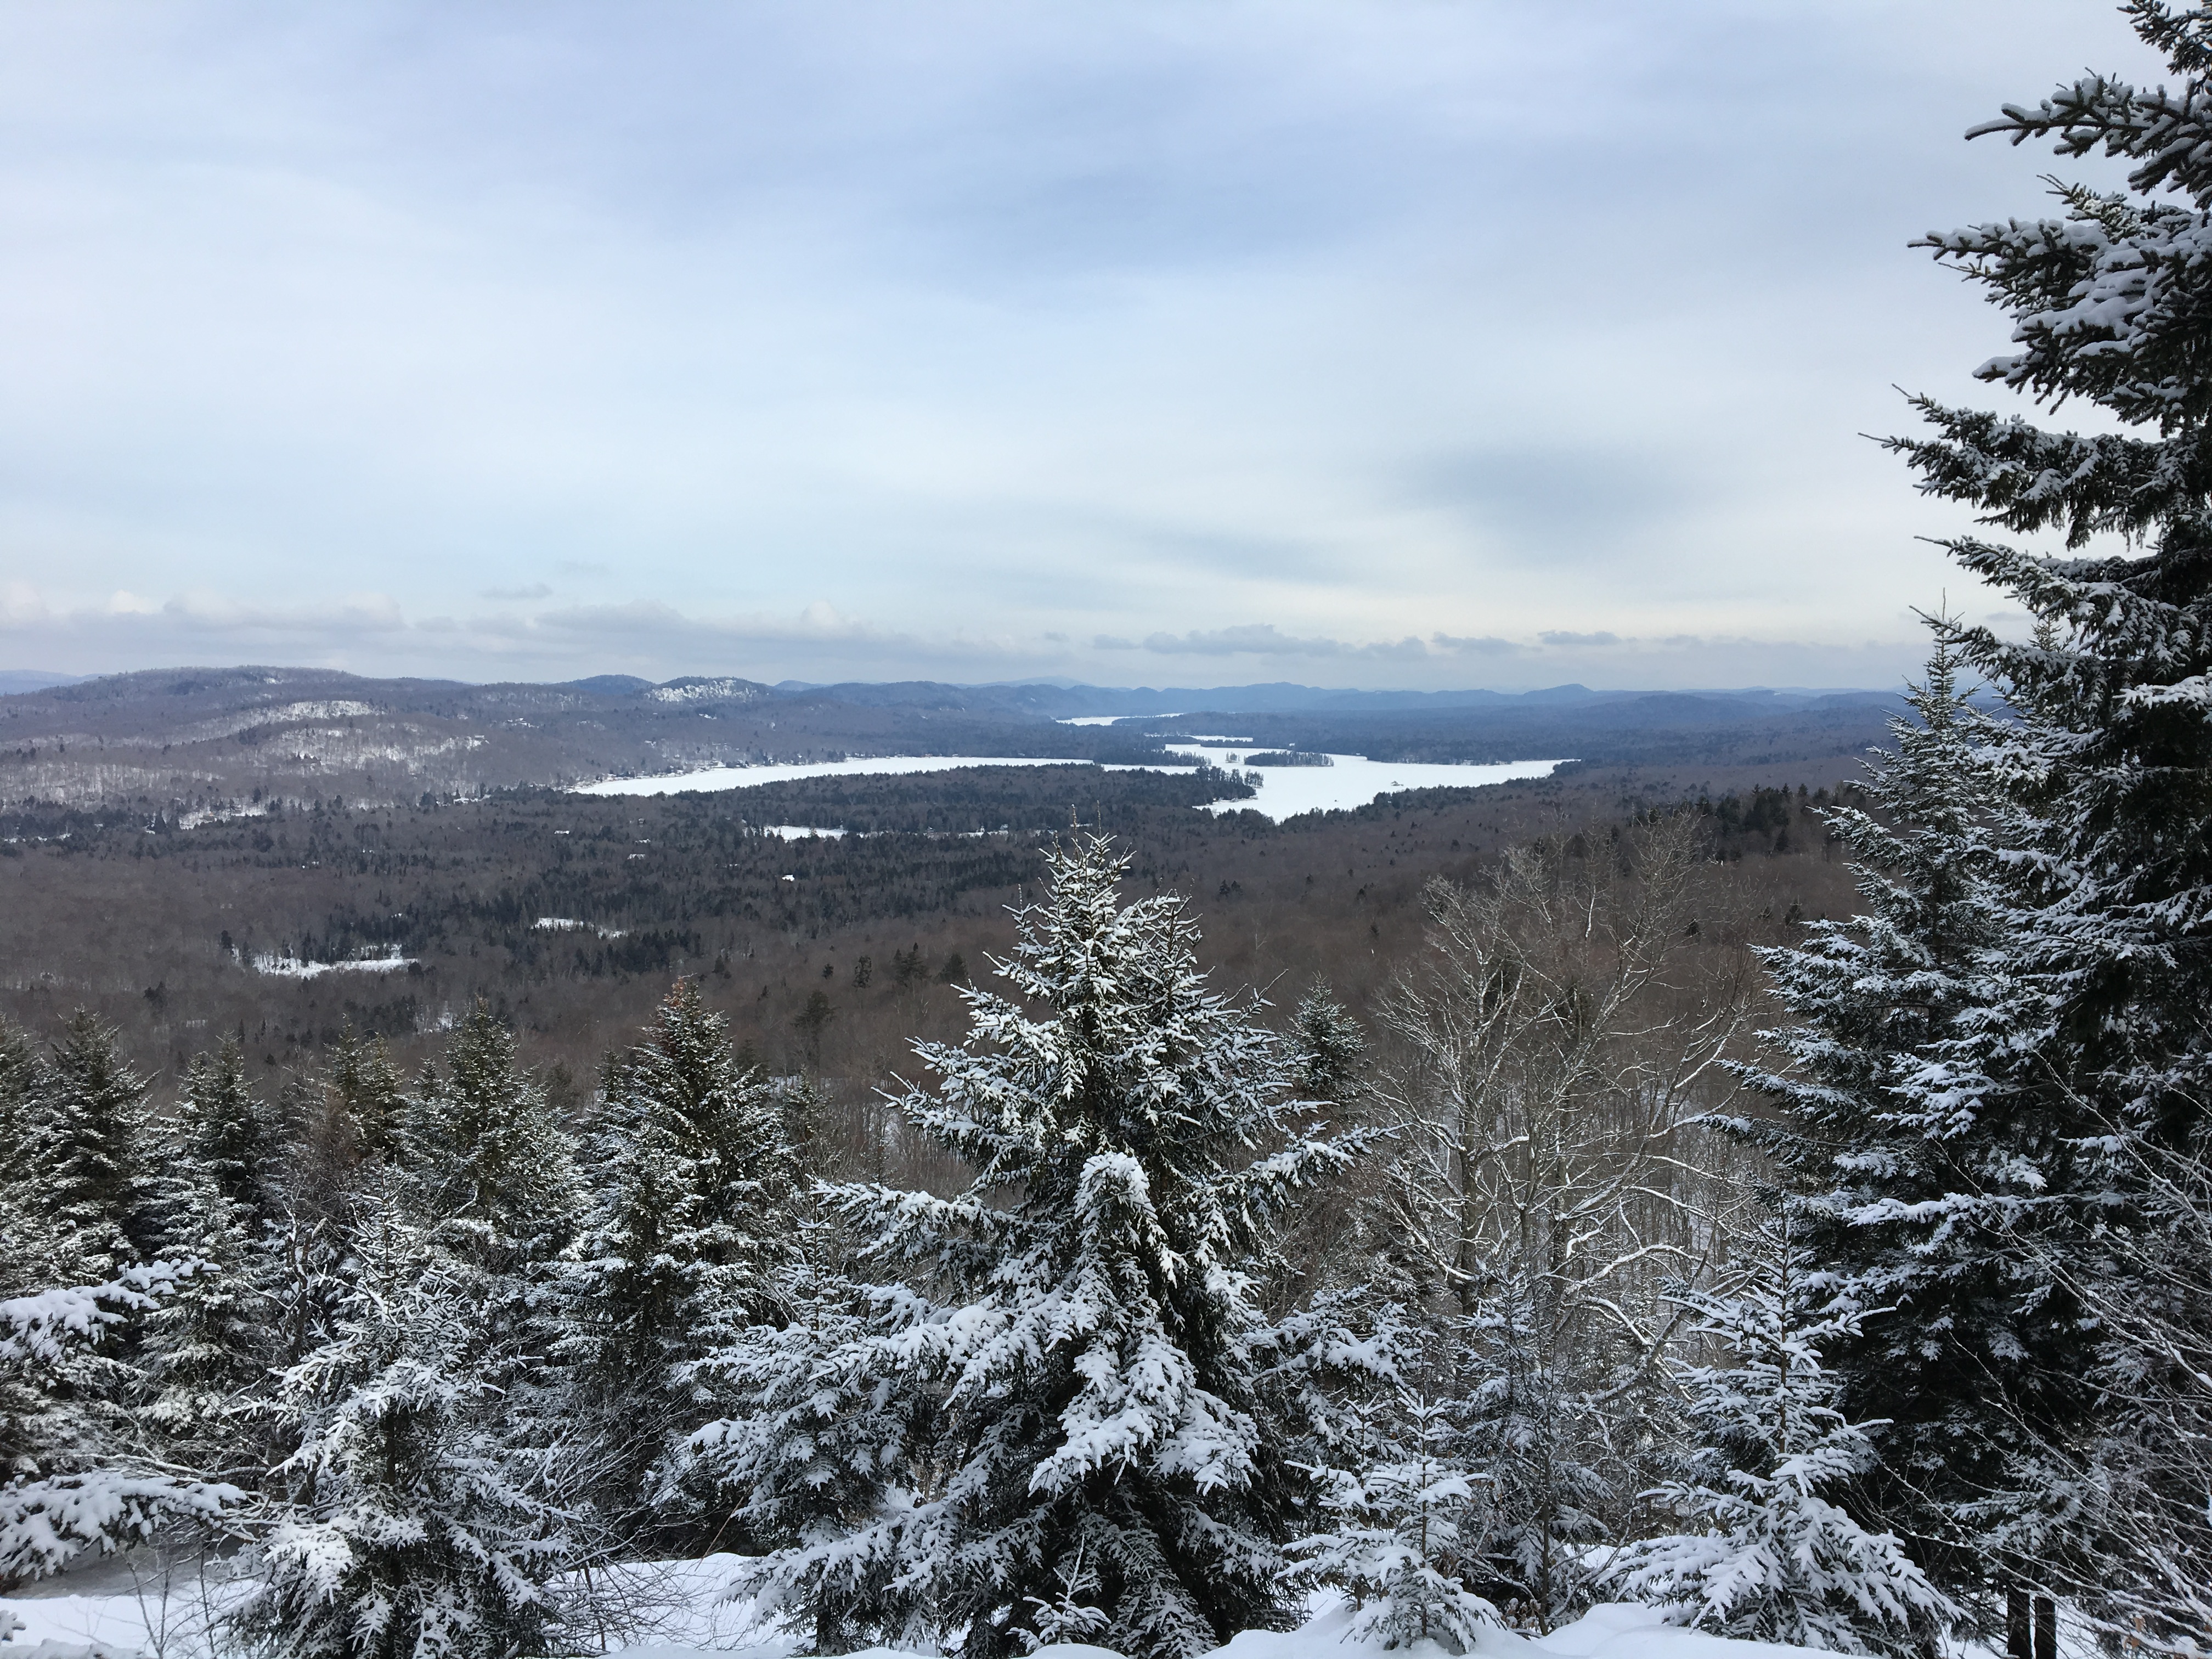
{"x": 1559, "y": 636}
{"x": 1265, "y": 640}
{"x": 1112, "y": 642}
{"x": 533, "y": 591}
{"x": 1484, "y": 645}
{"x": 355, "y": 614}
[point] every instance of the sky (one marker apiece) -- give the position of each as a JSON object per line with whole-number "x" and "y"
{"x": 1418, "y": 343}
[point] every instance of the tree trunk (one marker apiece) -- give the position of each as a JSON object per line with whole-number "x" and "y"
{"x": 2018, "y": 1638}
{"x": 2047, "y": 1628}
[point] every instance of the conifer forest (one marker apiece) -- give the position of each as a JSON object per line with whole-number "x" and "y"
{"x": 1788, "y": 1211}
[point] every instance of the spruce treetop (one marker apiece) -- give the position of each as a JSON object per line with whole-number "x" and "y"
{"x": 2111, "y": 301}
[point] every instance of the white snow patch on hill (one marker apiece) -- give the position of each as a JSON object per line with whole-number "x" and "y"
{"x": 294, "y": 968}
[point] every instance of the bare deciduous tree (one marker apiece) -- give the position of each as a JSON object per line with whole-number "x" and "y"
{"x": 1549, "y": 1054}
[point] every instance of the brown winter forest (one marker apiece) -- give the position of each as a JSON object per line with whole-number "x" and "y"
{"x": 828, "y": 956}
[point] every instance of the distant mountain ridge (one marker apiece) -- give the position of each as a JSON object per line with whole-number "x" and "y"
{"x": 188, "y": 739}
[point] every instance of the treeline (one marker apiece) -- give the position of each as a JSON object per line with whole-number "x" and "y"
{"x": 1046, "y": 797}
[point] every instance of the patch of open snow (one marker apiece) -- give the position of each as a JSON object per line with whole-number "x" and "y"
{"x": 799, "y": 831}
{"x": 748, "y": 777}
{"x": 293, "y": 968}
{"x": 570, "y": 924}
{"x": 1109, "y": 720}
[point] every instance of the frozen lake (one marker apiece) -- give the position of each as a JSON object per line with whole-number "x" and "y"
{"x": 1285, "y": 790}
{"x": 1352, "y": 781}
{"x": 749, "y": 777}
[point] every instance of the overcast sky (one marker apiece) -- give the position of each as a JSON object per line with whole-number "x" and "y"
{"x": 1196, "y": 343}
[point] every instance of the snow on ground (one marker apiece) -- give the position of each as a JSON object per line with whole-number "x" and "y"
{"x": 1350, "y": 781}
{"x": 684, "y": 1610}
{"x": 572, "y": 924}
{"x": 1109, "y": 720}
{"x": 798, "y": 831}
{"x": 748, "y": 777}
{"x": 293, "y": 968}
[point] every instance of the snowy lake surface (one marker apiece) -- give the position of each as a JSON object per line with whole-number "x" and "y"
{"x": 749, "y": 777}
{"x": 1350, "y": 781}
{"x": 1109, "y": 720}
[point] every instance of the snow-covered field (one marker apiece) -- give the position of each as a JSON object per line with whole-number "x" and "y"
{"x": 683, "y": 1610}
{"x": 1350, "y": 781}
{"x": 748, "y": 777}
{"x": 294, "y": 968}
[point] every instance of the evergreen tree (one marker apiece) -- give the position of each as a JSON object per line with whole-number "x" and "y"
{"x": 73, "y": 1473}
{"x": 1070, "y": 1384}
{"x": 92, "y": 1120}
{"x": 21, "y": 1169}
{"x": 35, "y": 1242}
{"x": 1891, "y": 1144}
{"x": 1777, "y": 1556}
{"x": 413, "y": 1528}
{"x": 688, "y": 1227}
{"x": 1332, "y": 1048}
{"x": 208, "y": 1346}
{"x": 366, "y": 1089}
{"x": 491, "y": 1179}
{"x": 486, "y": 1164}
{"x": 824, "y": 1433}
{"x": 223, "y": 1131}
{"x": 1404, "y": 1528}
{"x": 1530, "y": 1430}
{"x": 2107, "y": 863}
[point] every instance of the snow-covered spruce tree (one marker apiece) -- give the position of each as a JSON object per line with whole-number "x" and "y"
{"x": 1328, "y": 1246}
{"x": 208, "y": 1346}
{"x": 489, "y": 1181}
{"x": 2109, "y": 867}
{"x": 1332, "y": 1048}
{"x": 413, "y": 1528}
{"x": 35, "y": 1244}
{"x": 1073, "y": 1363}
{"x": 1400, "y": 1529}
{"x": 89, "y": 1122}
{"x": 1776, "y": 1555}
{"x": 222, "y": 1128}
{"x": 366, "y": 1087}
{"x": 1887, "y": 1142}
{"x": 491, "y": 1173}
{"x": 689, "y": 1227}
{"x": 825, "y": 1436}
{"x": 73, "y": 1477}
